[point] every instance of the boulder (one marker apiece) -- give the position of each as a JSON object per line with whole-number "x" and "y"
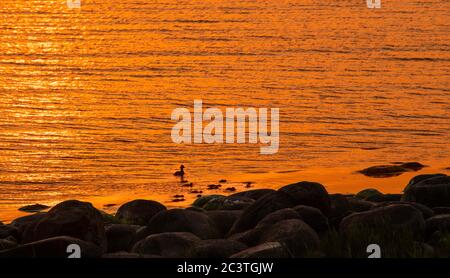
{"x": 357, "y": 205}
{"x": 216, "y": 248}
{"x": 228, "y": 203}
{"x": 259, "y": 209}
{"x": 383, "y": 221}
{"x": 340, "y": 208}
{"x": 167, "y": 245}
{"x": 309, "y": 194}
{"x": 203, "y": 200}
{"x": 224, "y": 219}
{"x": 439, "y": 223}
{"x": 139, "y": 212}
{"x": 313, "y": 217}
{"x": 120, "y": 237}
{"x": 9, "y": 230}
{"x": 432, "y": 191}
{"x": 426, "y": 211}
{"x": 7, "y": 243}
{"x": 180, "y": 220}
{"x": 70, "y": 218}
{"x": 55, "y": 247}
{"x": 371, "y": 194}
{"x": 23, "y": 222}
{"x": 277, "y": 216}
{"x": 254, "y": 194}
{"x": 267, "y": 250}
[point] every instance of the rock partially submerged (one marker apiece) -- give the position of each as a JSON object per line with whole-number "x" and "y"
{"x": 34, "y": 208}
{"x": 385, "y": 171}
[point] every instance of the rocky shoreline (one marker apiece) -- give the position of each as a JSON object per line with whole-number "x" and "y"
{"x": 296, "y": 221}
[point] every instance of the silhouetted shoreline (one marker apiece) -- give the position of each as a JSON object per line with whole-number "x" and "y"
{"x": 297, "y": 220}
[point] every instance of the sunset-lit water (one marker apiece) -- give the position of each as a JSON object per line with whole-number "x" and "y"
{"x": 87, "y": 94}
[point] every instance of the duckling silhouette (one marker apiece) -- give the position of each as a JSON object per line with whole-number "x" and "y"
{"x": 180, "y": 173}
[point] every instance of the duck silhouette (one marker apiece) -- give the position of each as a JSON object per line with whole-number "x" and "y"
{"x": 180, "y": 173}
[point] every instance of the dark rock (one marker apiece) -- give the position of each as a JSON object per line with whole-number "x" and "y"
{"x": 228, "y": 203}
{"x": 413, "y": 166}
{"x": 216, "y": 248}
{"x": 441, "y": 210}
{"x": 179, "y": 220}
{"x": 439, "y": 223}
{"x": 267, "y": 250}
{"x": 120, "y": 237}
{"x": 224, "y": 219}
{"x": 70, "y": 218}
{"x": 371, "y": 195}
{"x": 230, "y": 189}
{"x": 340, "y": 208}
{"x": 309, "y": 194}
{"x": 9, "y": 230}
{"x": 383, "y": 171}
{"x": 357, "y": 205}
{"x": 313, "y": 217}
{"x": 432, "y": 191}
{"x": 34, "y": 208}
{"x": 277, "y": 216}
{"x": 167, "y": 245}
{"x": 259, "y": 209}
{"x": 299, "y": 238}
{"x": 200, "y": 202}
{"x": 254, "y": 194}
{"x": 55, "y": 247}
{"x": 139, "y": 212}
{"x": 426, "y": 211}
{"x": 23, "y": 222}
{"x": 7, "y": 243}
{"x": 383, "y": 220}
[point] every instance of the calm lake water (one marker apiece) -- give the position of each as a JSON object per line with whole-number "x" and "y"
{"x": 87, "y": 94}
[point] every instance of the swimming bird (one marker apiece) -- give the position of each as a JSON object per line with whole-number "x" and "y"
{"x": 180, "y": 173}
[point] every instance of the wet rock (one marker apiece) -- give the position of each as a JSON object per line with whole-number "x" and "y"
{"x": 139, "y": 212}
{"x": 55, "y": 247}
{"x": 179, "y": 220}
{"x": 120, "y": 237}
{"x": 430, "y": 190}
{"x": 313, "y": 217}
{"x": 385, "y": 171}
{"x": 439, "y": 223}
{"x": 259, "y": 209}
{"x": 216, "y": 248}
{"x": 167, "y": 245}
{"x": 308, "y": 194}
{"x": 230, "y": 189}
{"x": 34, "y": 208}
{"x": 254, "y": 194}
{"x": 70, "y": 218}
{"x": 267, "y": 250}
{"x": 224, "y": 219}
